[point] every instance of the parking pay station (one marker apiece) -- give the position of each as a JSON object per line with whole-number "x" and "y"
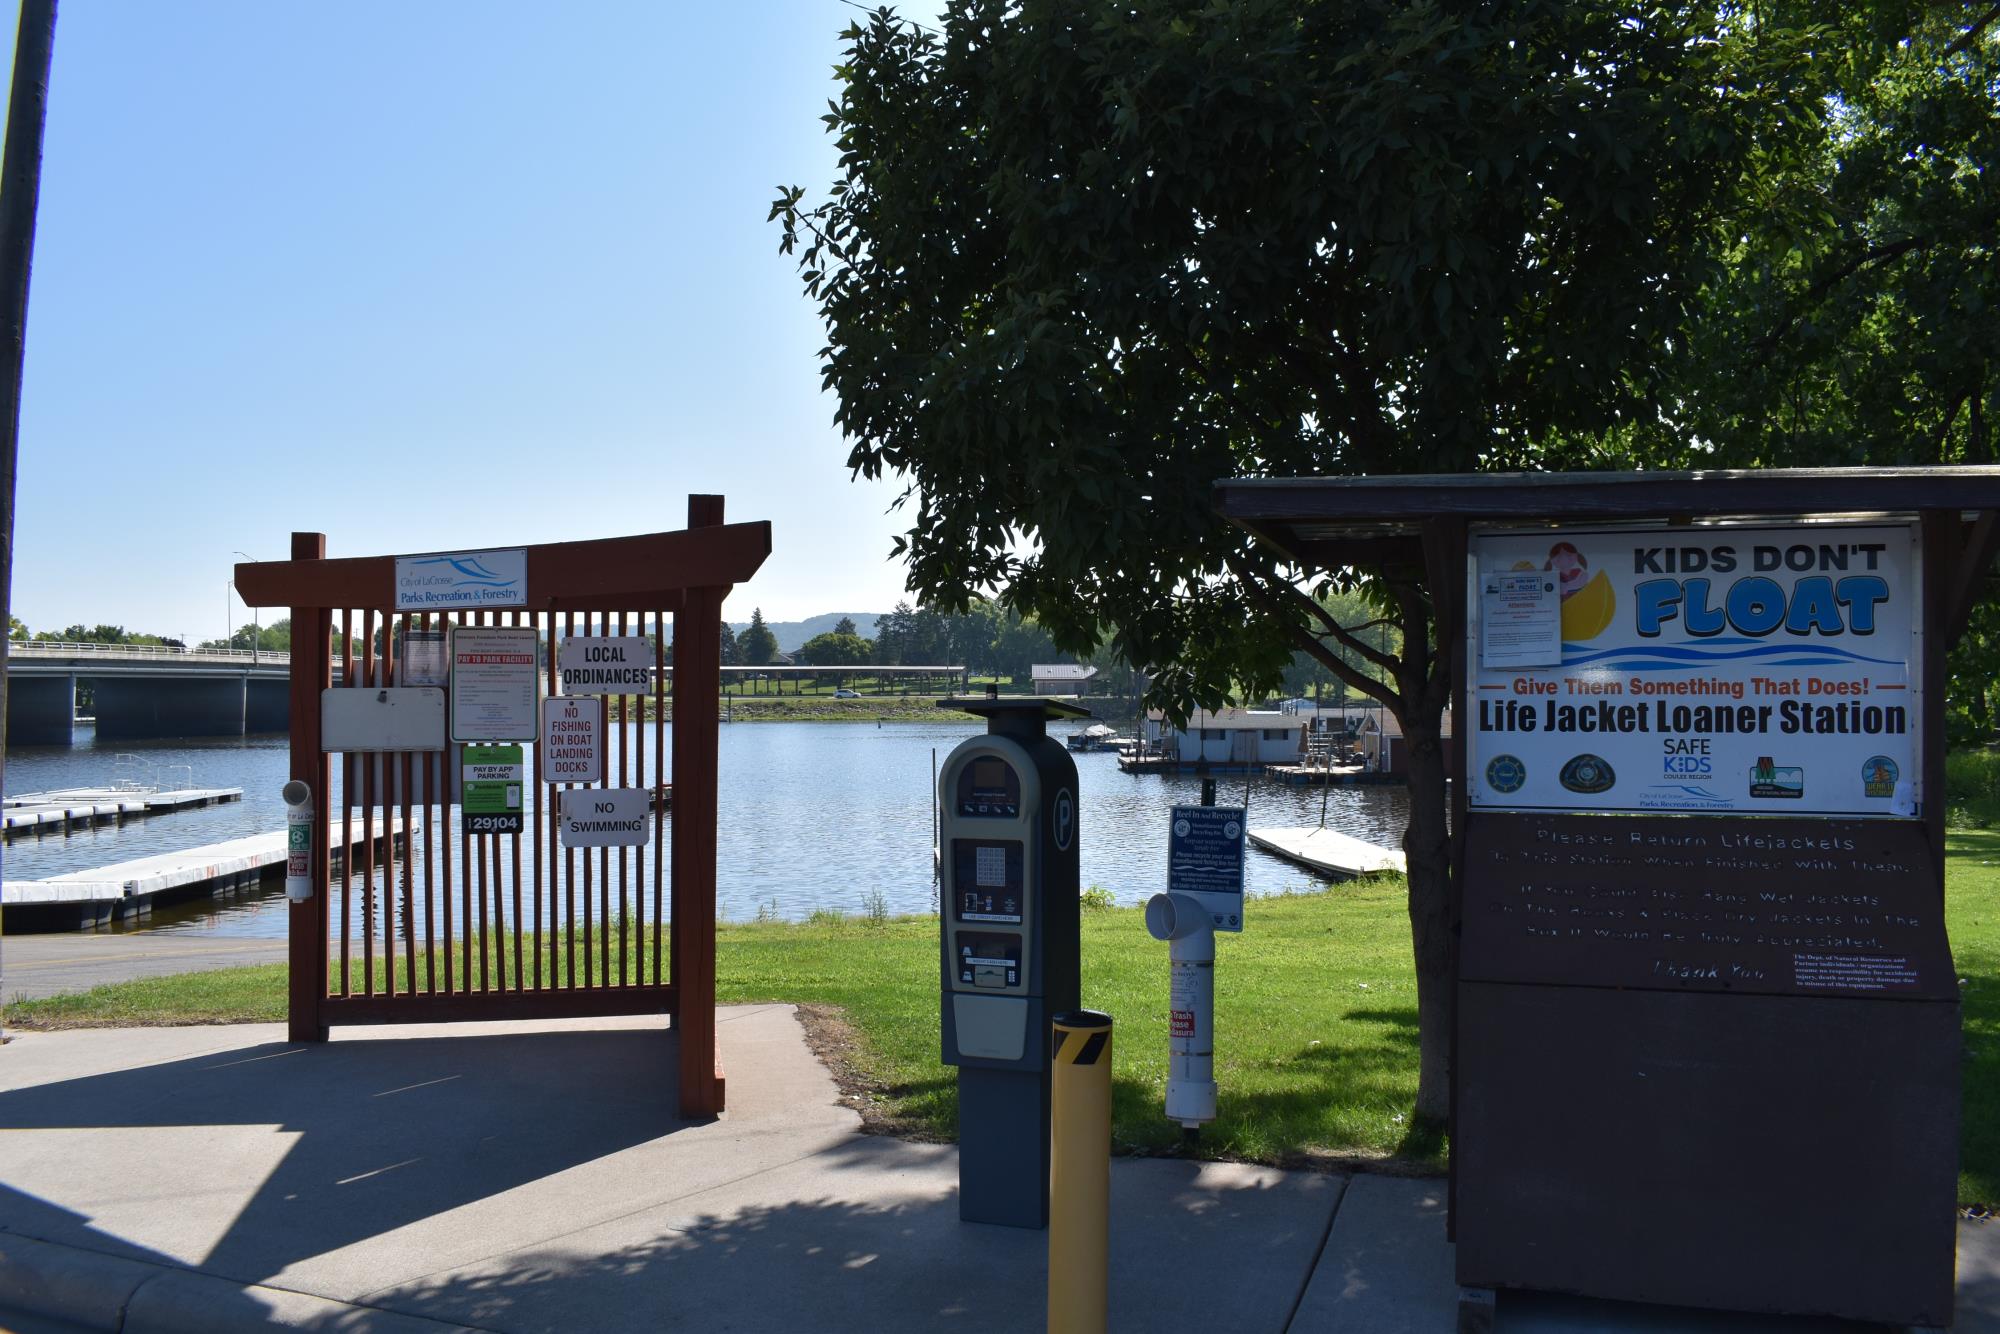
{"x": 1008, "y": 873}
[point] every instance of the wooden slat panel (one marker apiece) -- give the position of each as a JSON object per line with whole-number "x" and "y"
{"x": 502, "y": 1005}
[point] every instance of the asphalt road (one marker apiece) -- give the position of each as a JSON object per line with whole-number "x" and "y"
{"x": 36, "y": 966}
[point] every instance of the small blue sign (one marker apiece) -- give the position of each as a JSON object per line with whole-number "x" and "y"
{"x": 1205, "y": 859}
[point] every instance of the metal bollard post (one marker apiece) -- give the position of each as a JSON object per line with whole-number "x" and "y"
{"x": 1080, "y": 1173}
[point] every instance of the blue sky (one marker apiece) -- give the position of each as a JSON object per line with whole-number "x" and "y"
{"x": 425, "y": 276}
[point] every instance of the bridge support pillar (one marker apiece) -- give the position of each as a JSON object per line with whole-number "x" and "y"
{"x": 41, "y": 710}
{"x": 133, "y": 708}
{"x": 269, "y": 707}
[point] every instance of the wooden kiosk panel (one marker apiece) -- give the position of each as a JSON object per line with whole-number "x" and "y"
{"x": 1742, "y": 1152}
{"x": 1686, "y": 656}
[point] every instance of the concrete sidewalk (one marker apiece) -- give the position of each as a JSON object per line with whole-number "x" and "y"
{"x": 532, "y": 1177}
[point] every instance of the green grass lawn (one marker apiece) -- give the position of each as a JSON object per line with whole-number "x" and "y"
{"x": 1315, "y": 1014}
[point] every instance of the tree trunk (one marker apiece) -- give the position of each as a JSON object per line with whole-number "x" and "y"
{"x": 1427, "y": 847}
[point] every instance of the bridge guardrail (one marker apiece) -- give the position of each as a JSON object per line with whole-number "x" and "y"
{"x": 51, "y": 648}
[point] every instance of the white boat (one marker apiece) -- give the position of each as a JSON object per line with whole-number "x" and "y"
{"x": 1097, "y": 736}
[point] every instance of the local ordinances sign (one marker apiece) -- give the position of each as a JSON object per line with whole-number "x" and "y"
{"x": 606, "y": 665}
{"x": 1701, "y": 669}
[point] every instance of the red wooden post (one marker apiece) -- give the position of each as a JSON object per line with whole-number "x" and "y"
{"x": 697, "y": 682}
{"x": 311, "y": 673}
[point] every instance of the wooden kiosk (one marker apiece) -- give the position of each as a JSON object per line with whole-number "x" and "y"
{"x": 439, "y": 916}
{"x": 1706, "y": 1041}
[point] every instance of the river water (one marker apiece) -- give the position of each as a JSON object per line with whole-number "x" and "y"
{"x": 811, "y": 816}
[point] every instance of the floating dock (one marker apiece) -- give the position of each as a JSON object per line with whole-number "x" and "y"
{"x": 1327, "y": 852}
{"x": 83, "y": 899}
{"x": 1161, "y": 764}
{"x": 79, "y": 807}
{"x": 1328, "y": 775}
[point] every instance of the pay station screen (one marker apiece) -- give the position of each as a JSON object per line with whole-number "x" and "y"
{"x": 986, "y": 880}
{"x": 988, "y": 787}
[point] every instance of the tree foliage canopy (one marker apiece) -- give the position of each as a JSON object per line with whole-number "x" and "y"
{"x": 1082, "y": 260}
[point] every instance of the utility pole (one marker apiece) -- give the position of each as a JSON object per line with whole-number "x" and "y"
{"x": 20, "y": 191}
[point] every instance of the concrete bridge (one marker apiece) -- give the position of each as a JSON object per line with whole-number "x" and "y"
{"x": 144, "y": 691}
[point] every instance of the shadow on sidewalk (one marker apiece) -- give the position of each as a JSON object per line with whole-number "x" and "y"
{"x": 874, "y": 1244}
{"x": 388, "y": 1131}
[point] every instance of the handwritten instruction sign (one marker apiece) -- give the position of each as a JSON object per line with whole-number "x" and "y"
{"x": 1797, "y": 907}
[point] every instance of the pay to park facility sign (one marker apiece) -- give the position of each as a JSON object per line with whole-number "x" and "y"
{"x": 1770, "y": 669}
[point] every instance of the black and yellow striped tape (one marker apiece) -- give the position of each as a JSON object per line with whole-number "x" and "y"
{"x": 1081, "y": 1037}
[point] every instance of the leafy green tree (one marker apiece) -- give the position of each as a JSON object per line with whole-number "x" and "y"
{"x": 834, "y": 649}
{"x": 1018, "y": 645}
{"x": 845, "y": 626}
{"x": 1084, "y": 259}
{"x": 1851, "y": 318}
{"x": 732, "y": 650}
{"x": 757, "y": 644}
{"x": 17, "y": 629}
{"x": 273, "y": 638}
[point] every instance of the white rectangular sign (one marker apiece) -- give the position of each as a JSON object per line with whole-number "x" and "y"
{"x": 448, "y": 579}
{"x": 1520, "y": 620}
{"x": 605, "y": 817}
{"x": 423, "y": 660}
{"x": 397, "y": 719}
{"x": 606, "y": 665}
{"x": 1716, "y": 668}
{"x": 572, "y": 745}
{"x": 494, "y": 683}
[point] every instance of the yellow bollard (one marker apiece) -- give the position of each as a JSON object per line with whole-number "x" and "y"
{"x": 1079, "y": 1172}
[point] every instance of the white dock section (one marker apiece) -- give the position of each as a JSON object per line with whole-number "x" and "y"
{"x": 49, "y": 812}
{"x": 237, "y": 859}
{"x": 1328, "y": 852}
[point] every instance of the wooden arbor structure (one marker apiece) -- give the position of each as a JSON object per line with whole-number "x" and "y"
{"x": 417, "y": 923}
{"x": 1761, "y": 1123}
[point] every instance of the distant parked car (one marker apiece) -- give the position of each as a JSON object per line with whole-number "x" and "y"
{"x": 847, "y": 694}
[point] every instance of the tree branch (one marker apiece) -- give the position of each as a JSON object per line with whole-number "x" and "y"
{"x": 1311, "y": 643}
{"x": 1388, "y": 662}
{"x": 1970, "y": 35}
{"x": 1767, "y": 347}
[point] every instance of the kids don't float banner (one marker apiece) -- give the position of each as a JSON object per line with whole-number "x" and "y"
{"x": 1696, "y": 669}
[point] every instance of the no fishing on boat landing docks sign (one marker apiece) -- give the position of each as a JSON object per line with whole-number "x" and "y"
{"x": 1696, "y": 668}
